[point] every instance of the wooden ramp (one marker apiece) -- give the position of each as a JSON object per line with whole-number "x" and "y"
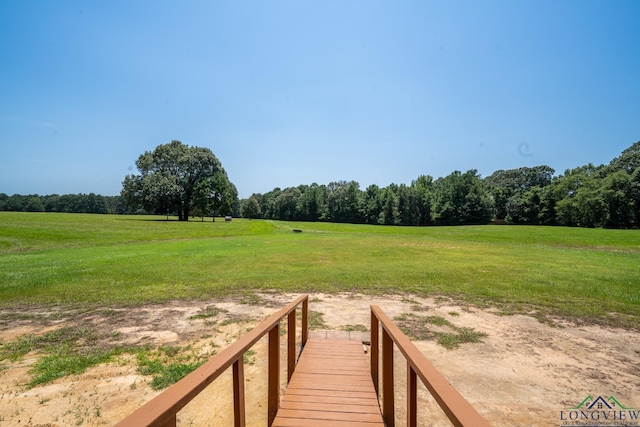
{"x": 331, "y": 386}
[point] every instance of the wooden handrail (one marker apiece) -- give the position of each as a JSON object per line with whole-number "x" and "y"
{"x": 458, "y": 410}
{"x": 161, "y": 411}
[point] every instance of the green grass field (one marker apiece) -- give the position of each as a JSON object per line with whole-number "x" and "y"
{"x": 48, "y": 259}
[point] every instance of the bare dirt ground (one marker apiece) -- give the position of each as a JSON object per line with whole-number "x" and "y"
{"x": 522, "y": 373}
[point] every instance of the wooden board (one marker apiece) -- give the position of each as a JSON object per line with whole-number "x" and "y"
{"x": 331, "y": 386}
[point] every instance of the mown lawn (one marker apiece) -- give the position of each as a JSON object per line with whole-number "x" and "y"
{"x": 589, "y": 274}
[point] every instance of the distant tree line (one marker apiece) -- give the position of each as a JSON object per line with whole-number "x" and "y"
{"x": 588, "y": 196}
{"x": 76, "y": 203}
{"x": 459, "y": 198}
{"x": 86, "y": 203}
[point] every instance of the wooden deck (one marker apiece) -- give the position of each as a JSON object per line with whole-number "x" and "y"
{"x": 331, "y": 386}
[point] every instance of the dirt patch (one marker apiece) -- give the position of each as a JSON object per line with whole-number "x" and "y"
{"x": 522, "y": 372}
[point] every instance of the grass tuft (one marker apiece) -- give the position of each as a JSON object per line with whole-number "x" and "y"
{"x": 168, "y": 365}
{"x": 208, "y": 312}
{"x": 67, "y": 351}
{"x": 316, "y": 320}
{"x": 446, "y": 333}
{"x": 249, "y": 357}
{"x": 355, "y": 328}
{"x": 64, "y": 361}
{"x": 451, "y": 341}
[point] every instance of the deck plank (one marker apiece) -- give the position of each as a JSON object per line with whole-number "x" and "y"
{"x": 331, "y": 386}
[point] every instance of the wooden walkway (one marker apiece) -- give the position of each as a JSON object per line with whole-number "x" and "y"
{"x": 331, "y": 386}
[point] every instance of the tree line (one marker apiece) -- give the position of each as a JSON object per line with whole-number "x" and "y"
{"x": 71, "y": 203}
{"x": 587, "y": 196}
{"x": 189, "y": 181}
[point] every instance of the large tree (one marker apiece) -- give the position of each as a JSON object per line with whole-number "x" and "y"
{"x": 177, "y": 178}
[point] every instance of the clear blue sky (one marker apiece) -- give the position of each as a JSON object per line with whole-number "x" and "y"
{"x": 295, "y": 92}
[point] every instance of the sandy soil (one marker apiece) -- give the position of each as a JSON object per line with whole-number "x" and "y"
{"x": 523, "y": 373}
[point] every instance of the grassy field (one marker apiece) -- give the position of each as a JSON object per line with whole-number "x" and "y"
{"x": 47, "y": 259}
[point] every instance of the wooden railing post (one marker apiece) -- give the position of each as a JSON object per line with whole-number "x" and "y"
{"x": 455, "y": 407}
{"x": 274, "y": 374}
{"x": 305, "y": 321}
{"x": 388, "y": 409}
{"x": 238, "y": 393}
{"x": 375, "y": 335}
{"x": 412, "y": 396}
{"x": 291, "y": 344}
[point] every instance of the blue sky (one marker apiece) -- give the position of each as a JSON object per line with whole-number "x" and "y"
{"x": 295, "y": 92}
